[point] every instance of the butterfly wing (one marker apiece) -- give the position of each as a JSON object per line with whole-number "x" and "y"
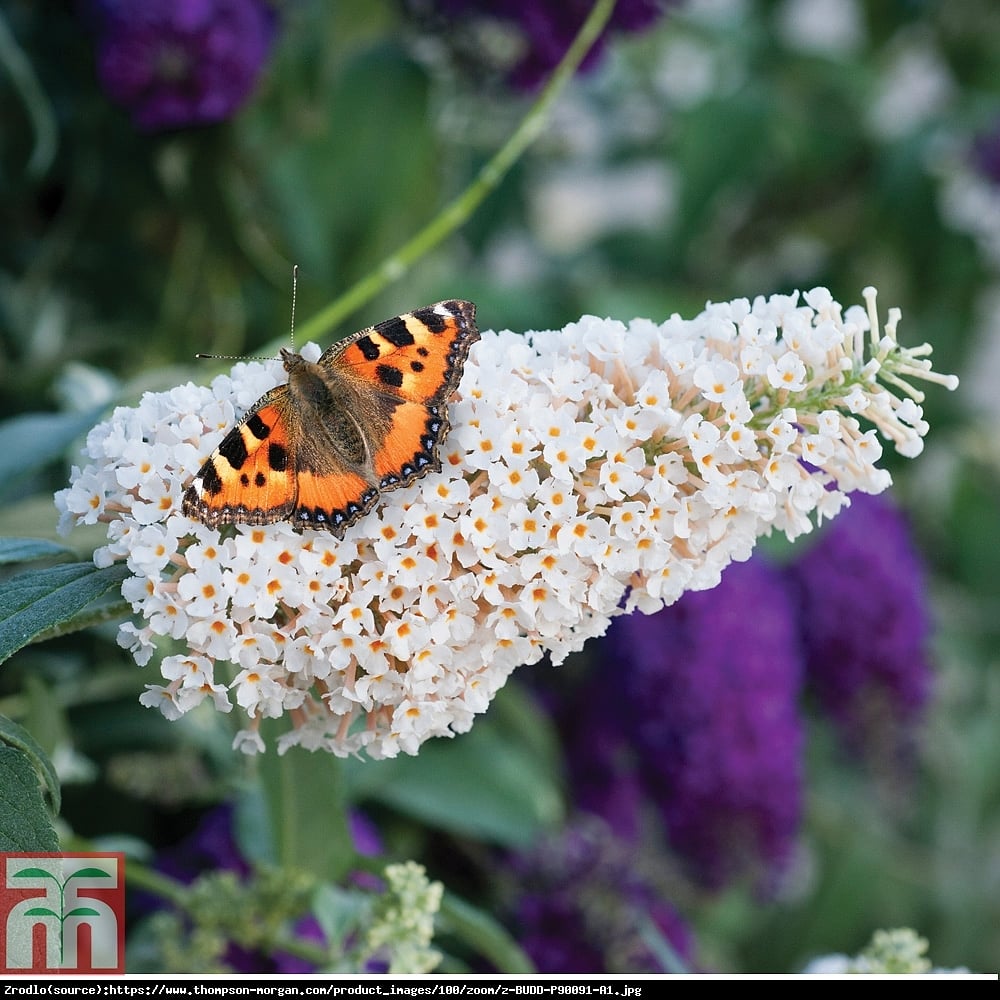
{"x": 404, "y": 371}
{"x": 369, "y": 417}
{"x": 249, "y": 478}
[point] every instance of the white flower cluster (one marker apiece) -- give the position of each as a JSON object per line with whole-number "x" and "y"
{"x": 896, "y": 952}
{"x": 402, "y": 928}
{"x": 590, "y": 471}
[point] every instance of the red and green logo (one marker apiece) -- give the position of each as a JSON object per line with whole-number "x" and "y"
{"x": 62, "y": 914}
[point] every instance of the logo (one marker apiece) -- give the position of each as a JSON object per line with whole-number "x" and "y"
{"x": 62, "y": 913}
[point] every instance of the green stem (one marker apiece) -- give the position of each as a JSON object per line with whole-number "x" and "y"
{"x": 37, "y": 105}
{"x": 485, "y": 935}
{"x": 458, "y": 211}
{"x": 138, "y": 876}
{"x": 807, "y": 402}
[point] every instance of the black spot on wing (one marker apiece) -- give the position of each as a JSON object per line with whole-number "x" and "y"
{"x": 433, "y": 320}
{"x": 368, "y": 348}
{"x": 233, "y": 450}
{"x": 389, "y": 375}
{"x": 210, "y": 481}
{"x": 395, "y": 331}
{"x": 257, "y": 427}
{"x": 277, "y": 457}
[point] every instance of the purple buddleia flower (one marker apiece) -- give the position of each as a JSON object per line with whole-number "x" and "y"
{"x": 549, "y": 27}
{"x": 986, "y": 153}
{"x": 602, "y": 754}
{"x": 177, "y": 63}
{"x": 865, "y": 623}
{"x": 698, "y": 703}
{"x": 210, "y": 847}
{"x": 582, "y": 906}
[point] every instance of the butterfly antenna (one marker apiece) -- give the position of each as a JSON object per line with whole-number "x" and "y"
{"x": 243, "y": 357}
{"x": 295, "y": 288}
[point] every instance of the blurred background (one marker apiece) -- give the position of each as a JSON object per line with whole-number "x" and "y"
{"x": 739, "y": 784}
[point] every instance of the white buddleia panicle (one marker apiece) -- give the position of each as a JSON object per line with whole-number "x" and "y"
{"x": 590, "y": 471}
{"x": 896, "y": 952}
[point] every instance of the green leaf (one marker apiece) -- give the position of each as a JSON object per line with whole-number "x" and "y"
{"x": 13, "y": 735}
{"x": 484, "y": 934}
{"x": 48, "y": 600}
{"x": 83, "y": 911}
{"x": 15, "y": 550}
{"x": 110, "y": 606}
{"x": 499, "y": 782}
{"x": 34, "y": 440}
{"x": 306, "y": 812}
{"x": 252, "y": 826}
{"x": 24, "y": 821}
{"x": 339, "y": 911}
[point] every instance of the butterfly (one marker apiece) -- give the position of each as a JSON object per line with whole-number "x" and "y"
{"x": 368, "y": 417}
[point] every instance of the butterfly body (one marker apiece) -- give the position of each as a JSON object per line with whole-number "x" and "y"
{"x": 367, "y": 418}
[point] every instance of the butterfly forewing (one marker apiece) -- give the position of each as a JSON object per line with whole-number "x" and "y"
{"x": 418, "y": 355}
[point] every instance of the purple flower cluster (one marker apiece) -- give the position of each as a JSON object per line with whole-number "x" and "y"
{"x": 707, "y": 694}
{"x": 986, "y": 153}
{"x": 176, "y": 63}
{"x": 865, "y": 622}
{"x": 693, "y": 720}
{"x": 549, "y": 27}
{"x": 581, "y": 907}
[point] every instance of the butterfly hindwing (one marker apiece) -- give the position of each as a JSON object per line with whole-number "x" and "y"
{"x": 332, "y": 502}
{"x": 410, "y": 449}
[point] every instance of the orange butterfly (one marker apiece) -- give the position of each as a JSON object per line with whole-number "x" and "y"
{"x": 368, "y": 417}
